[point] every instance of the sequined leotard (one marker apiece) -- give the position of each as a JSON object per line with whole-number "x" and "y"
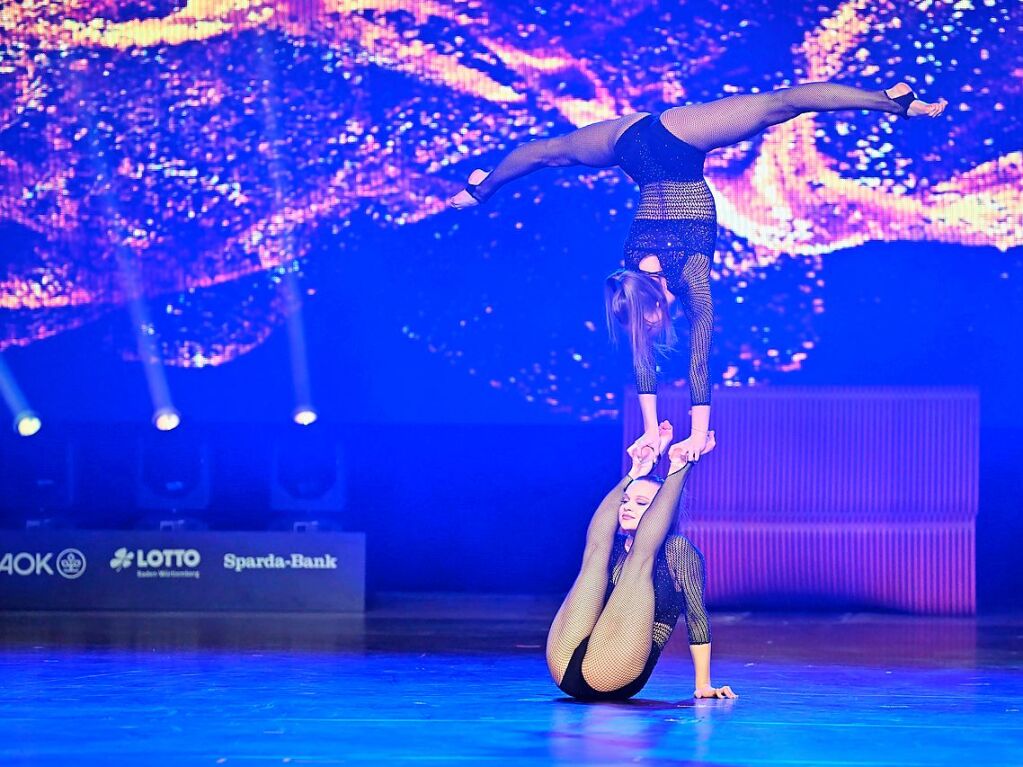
{"x": 676, "y": 222}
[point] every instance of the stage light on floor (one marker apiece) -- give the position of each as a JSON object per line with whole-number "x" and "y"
{"x": 166, "y": 419}
{"x": 305, "y": 416}
{"x": 27, "y": 424}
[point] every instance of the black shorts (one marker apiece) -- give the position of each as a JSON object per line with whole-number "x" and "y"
{"x": 573, "y": 683}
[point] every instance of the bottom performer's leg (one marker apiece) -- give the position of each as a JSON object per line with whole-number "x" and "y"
{"x": 579, "y": 612}
{"x": 621, "y": 641}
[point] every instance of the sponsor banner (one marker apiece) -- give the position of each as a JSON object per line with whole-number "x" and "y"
{"x": 126, "y": 570}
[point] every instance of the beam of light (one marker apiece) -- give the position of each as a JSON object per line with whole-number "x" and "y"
{"x": 131, "y": 284}
{"x": 26, "y": 422}
{"x": 291, "y": 289}
{"x": 165, "y": 416}
{"x": 297, "y": 352}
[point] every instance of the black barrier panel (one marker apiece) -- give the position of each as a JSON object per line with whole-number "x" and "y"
{"x": 153, "y": 571}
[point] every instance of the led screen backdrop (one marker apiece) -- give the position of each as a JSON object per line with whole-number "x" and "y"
{"x": 226, "y": 161}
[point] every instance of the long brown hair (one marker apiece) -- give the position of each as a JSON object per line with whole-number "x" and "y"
{"x": 629, "y": 296}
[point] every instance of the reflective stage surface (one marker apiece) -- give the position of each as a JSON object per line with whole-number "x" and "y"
{"x": 455, "y": 679}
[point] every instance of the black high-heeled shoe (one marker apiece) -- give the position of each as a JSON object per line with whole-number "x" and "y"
{"x": 471, "y": 188}
{"x": 903, "y": 101}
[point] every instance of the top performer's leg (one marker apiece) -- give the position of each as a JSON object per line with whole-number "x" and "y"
{"x": 737, "y": 118}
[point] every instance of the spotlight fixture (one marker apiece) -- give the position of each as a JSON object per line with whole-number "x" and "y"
{"x": 27, "y": 423}
{"x": 173, "y": 472}
{"x": 308, "y": 474}
{"x": 166, "y": 419}
{"x": 38, "y": 477}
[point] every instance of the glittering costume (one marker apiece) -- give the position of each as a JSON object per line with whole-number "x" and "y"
{"x": 624, "y": 605}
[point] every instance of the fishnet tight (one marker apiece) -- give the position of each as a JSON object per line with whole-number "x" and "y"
{"x": 704, "y": 126}
{"x": 688, "y": 277}
{"x": 621, "y": 630}
{"x": 689, "y": 572}
{"x": 676, "y": 200}
{"x": 737, "y": 118}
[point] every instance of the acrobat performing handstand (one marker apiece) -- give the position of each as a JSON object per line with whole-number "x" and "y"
{"x": 670, "y": 245}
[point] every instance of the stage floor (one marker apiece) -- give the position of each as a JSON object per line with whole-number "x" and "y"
{"x": 462, "y": 680}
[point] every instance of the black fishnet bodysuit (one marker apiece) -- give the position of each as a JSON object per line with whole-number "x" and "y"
{"x": 679, "y": 582}
{"x": 676, "y": 223}
{"x": 676, "y": 219}
{"x": 623, "y": 606}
